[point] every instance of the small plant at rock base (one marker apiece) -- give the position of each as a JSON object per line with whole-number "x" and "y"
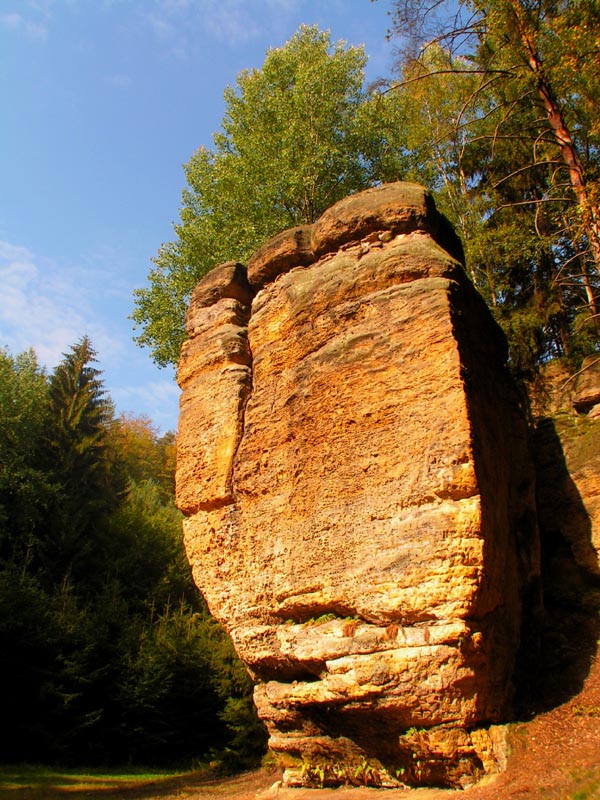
{"x": 340, "y": 773}
{"x": 414, "y": 731}
{"x": 322, "y": 619}
{"x": 417, "y": 767}
{"x": 366, "y": 774}
{"x": 320, "y": 774}
{"x": 317, "y": 775}
{"x": 313, "y": 775}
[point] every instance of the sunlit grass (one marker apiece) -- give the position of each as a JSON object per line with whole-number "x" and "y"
{"x": 25, "y": 782}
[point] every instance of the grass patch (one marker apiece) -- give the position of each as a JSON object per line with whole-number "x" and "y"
{"x": 26, "y": 782}
{"x": 588, "y": 786}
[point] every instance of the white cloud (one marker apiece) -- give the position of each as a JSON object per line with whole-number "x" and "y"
{"x": 235, "y": 22}
{"x": 232, "y": 22}
{"x": 33, "y": 22}
{"x": 46, "y": 307}
{"x": 119, "y": 81}
{"x": 12, "y": 20}
{"x": 161, "y": 26}
{"x": 35, "y": 30}
{"x": 181, "y": 24}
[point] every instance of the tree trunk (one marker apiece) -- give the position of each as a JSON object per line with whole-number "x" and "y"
{"x": 590, "y": 214}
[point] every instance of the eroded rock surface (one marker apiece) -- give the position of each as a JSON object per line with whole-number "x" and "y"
{"x": 354, "y": 469}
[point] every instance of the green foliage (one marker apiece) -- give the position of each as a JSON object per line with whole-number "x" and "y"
{"x": 319, "y": 774}
{"x": 297, "y": 135}
{"x": 171, "y": 707}
{"x": 25, "y": 488}
{"x": 143, "y": 537}
{"x": 87, "y": 479}
{"x": 327, "y": 617}
{"x": 144, "y": 454}
{"x": 107, "y": 651}
{"x": 23, "y": 404}
{"x": 496, "y": 97}
{"x": 247, "y": 735}
{"x": 28, "y": 661}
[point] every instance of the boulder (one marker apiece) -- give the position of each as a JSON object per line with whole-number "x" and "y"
{"x": 353, "y": 464}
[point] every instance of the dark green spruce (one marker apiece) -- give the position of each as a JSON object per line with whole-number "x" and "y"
{"x": 108, "y": 654}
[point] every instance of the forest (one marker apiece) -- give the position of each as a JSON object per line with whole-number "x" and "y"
{"x": 108, "y": 654}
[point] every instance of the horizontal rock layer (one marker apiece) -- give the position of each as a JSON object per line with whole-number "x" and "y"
{"x": 354, "y": 468}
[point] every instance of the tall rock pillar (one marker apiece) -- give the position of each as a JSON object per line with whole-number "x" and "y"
{"x": 354, "y": 469}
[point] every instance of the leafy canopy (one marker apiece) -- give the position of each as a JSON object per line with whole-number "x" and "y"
{"x": 24, "y": 486}
{"x": 496, "y": 97}
{"x": 297, "y": 135}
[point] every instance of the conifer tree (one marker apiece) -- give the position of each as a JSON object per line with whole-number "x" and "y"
{"x": 87, "y": 476}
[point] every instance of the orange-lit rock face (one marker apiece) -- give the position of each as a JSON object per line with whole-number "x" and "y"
{"x": 359, "y": 501}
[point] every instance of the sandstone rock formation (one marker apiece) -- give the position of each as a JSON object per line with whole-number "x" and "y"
{"x": 556, "y": 390}
{"x": 354, "y": 470}
{"x": 586, "y": 398}
{"x": 567, "y": 450}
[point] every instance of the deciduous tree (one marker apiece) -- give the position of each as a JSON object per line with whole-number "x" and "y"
{"x": 25, "y": 488}
{"x": 297, "y": 135}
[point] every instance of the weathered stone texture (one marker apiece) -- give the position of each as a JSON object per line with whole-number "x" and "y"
{"x": 587, "y": 387}
{"x": 361, "y": 515}
{"x": 289, "y": 249}
{"x": 216, "y": 377}
{"x": 556, "y": 390}
{"x": 568, "y": 456}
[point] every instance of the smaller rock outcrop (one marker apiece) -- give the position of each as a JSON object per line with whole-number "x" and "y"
{"x": 586, "y": 392}
{"x": 354, "y": 468}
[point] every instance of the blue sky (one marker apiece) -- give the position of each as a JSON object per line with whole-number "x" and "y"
{"x": 103, "y": 101}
